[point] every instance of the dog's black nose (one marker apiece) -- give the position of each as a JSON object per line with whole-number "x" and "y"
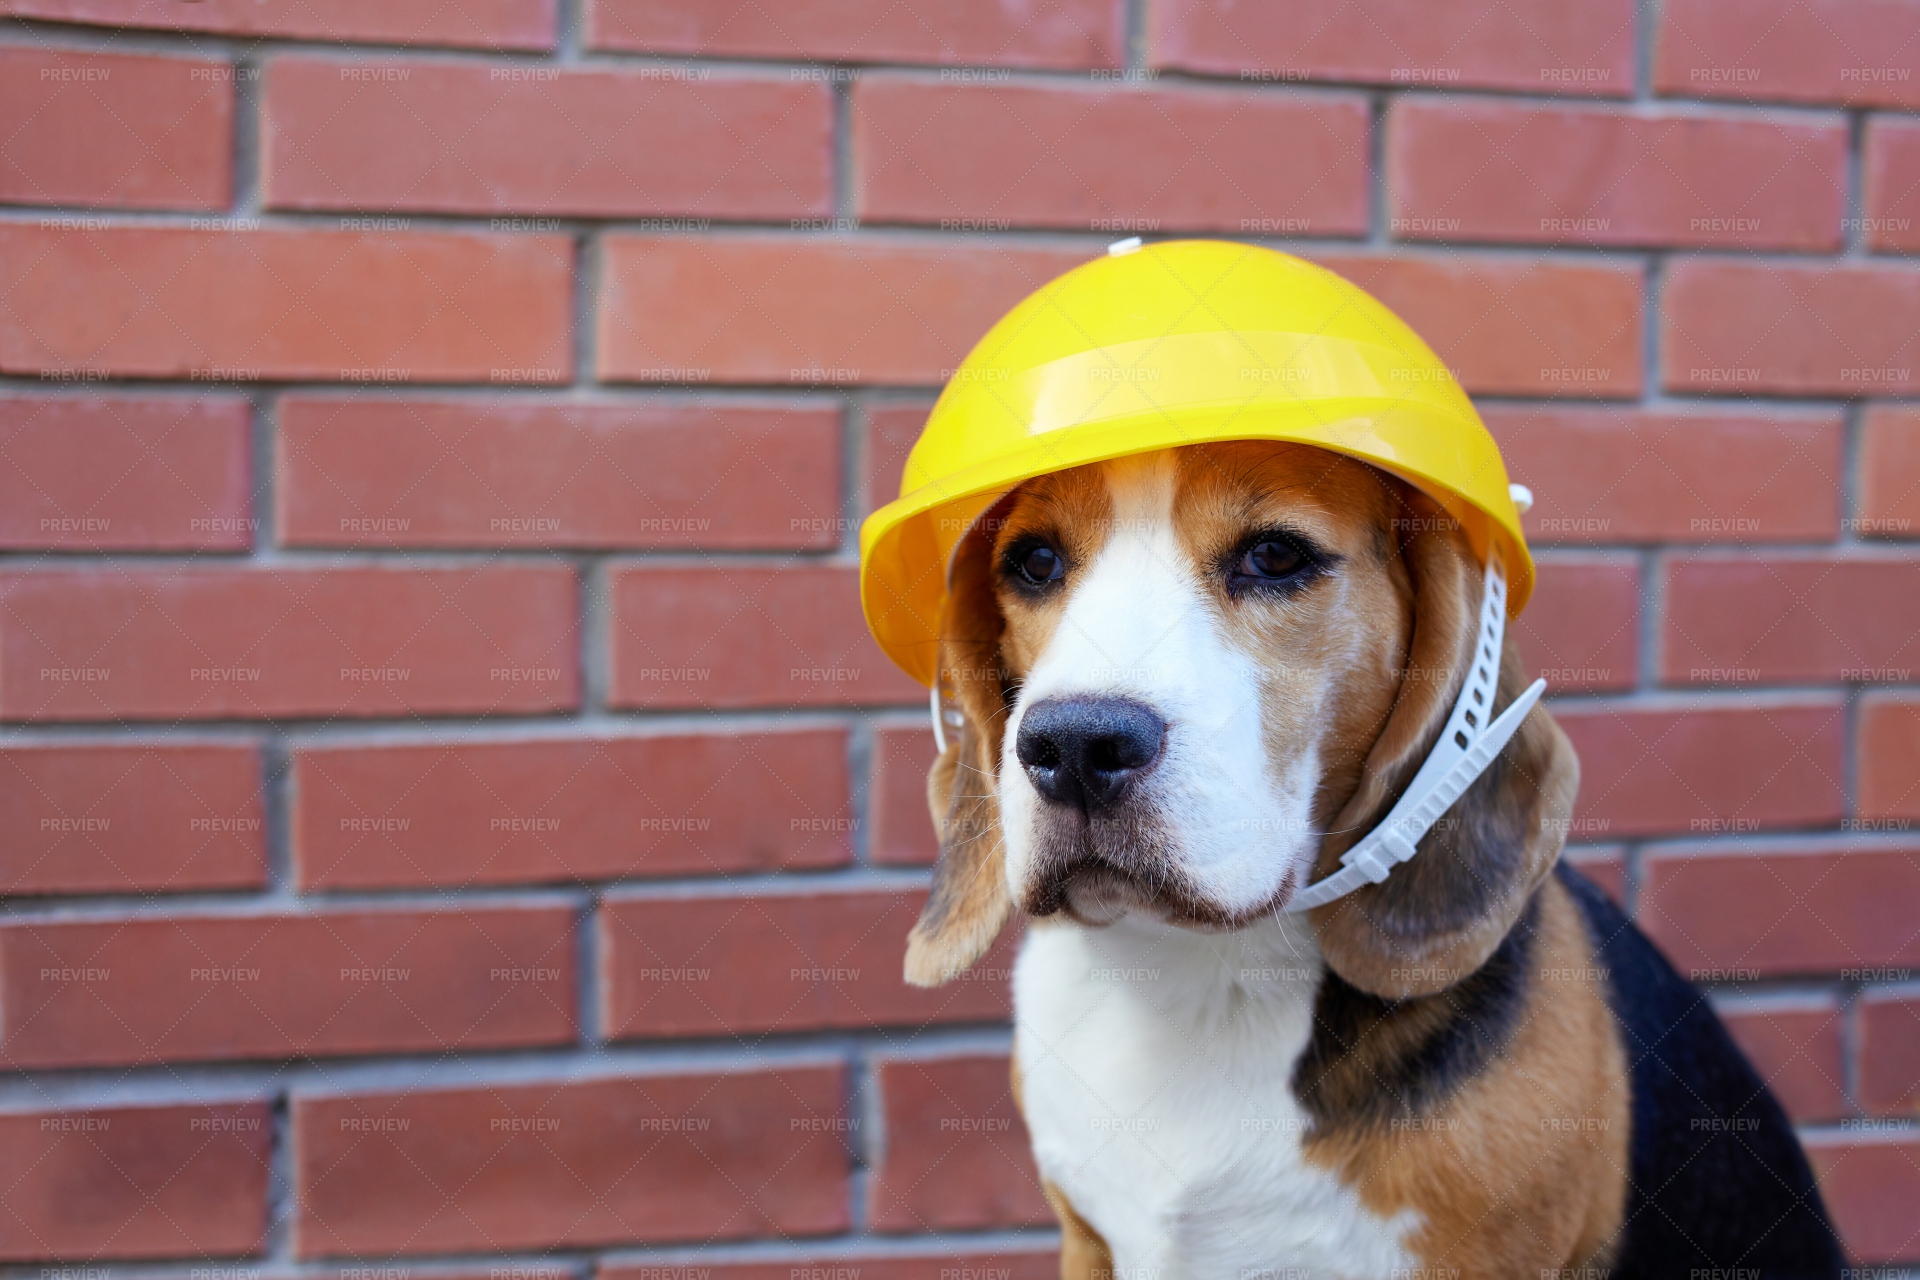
{"x": 1086, "y": 751}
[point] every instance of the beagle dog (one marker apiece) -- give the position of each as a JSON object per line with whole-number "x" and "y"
{"x": 1176, "y": 688}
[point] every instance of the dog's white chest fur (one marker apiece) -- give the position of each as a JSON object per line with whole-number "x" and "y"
{"x": 1156, "y": 1065}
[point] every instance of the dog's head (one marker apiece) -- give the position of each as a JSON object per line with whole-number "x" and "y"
{"x": 1184, "y": 683}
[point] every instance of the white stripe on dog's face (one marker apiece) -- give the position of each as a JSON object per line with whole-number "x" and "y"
{"x": 1221, "y": 827}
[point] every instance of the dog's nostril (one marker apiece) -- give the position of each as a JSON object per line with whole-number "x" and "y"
{"x": 1087, "y": 751}
{"x": 1120, "y": 752}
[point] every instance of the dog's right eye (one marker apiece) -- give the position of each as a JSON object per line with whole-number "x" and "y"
{"x": 1037, "y": 563}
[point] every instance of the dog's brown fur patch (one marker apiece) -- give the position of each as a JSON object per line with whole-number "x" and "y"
{"x": 969, "y": 904}
{"x": 1523, "y": 1168}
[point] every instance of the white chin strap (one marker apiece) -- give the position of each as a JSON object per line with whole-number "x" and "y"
{"x": 933, "y": 706}
{"x": 1467, "y": 746}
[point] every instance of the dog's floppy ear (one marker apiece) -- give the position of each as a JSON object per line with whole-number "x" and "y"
{"x": 1437, "y": 918}
{"x": 970, "y": 902}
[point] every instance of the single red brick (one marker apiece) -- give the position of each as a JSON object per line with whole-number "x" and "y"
{"x": 1852, "y": 51}
{"x": 901, "y": 824}
{"x": 456, "y": 812}
{"x": 957, "y": 1155}
{"x": 1745, "y": 911}
{"x": 1888, "y": 752}
{"x": 170, "y": 302}
{"x": 107, "y": 129}
{"x": 1606, "y": 866}
{"x": 790, "y": 309}
{"x": 1870, "y": 1183}
{"x": 1890, "y": 1050}
{"x": 1582, "y": 626}
{"x": 893, "y": 427}
{"x": 1793, "y": 1041}
{"x": 1821, "y": 616}
{"x": 110, "y": 474}
{"x": 1534, "y": 45}
{"x": 130, "y": 817}
{"x": 1890, "y": 472}
{"x": 483, "y": 24}
{"x": 427, "y": 473}
{"x": 572, "y": 1163}
{"x": 1680, "y": 765}
{"x": 1893, "y": 184}
{"x": 137, "y": 989}
{"x": 1016, "y": 1262}
{"x": 1746, "y": 328}
{"x": 222, "y": 643}
{"x": 476, "y": 138}
{"x": 1514, "y": 326}
{"x": 1104, "y": 158}
{"x": 1050, "y": 33}
{"x": 134, "y": 1182}
{"x": 744, "y": 634}
{"x": 1461, "y": 169}
{"x": 717, "y": 963}
{"x": 1630, "y": 475}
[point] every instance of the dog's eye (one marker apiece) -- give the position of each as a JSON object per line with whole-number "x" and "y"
{"x": 1271, "y": 561}
{"x": 1275, "y": 562}
{"x": 1038, "y": 563}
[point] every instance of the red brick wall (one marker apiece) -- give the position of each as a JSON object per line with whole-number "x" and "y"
{"x": 450, "y": 812}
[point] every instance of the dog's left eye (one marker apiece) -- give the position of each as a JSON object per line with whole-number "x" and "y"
{"x": 1271, "y": 561}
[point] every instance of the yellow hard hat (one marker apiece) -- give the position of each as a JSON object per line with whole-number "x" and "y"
{"x": 1171, "y": 344}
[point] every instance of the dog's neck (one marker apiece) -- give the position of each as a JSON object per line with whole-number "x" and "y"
{"x": 1207, "y": 974}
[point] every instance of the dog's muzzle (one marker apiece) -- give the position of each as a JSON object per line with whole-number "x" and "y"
{"x": 1101, "y": 846}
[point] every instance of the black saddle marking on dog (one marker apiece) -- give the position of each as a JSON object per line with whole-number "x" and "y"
{"x": 1371, "y": 1060}
{"x": 1718, "y": 1180}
